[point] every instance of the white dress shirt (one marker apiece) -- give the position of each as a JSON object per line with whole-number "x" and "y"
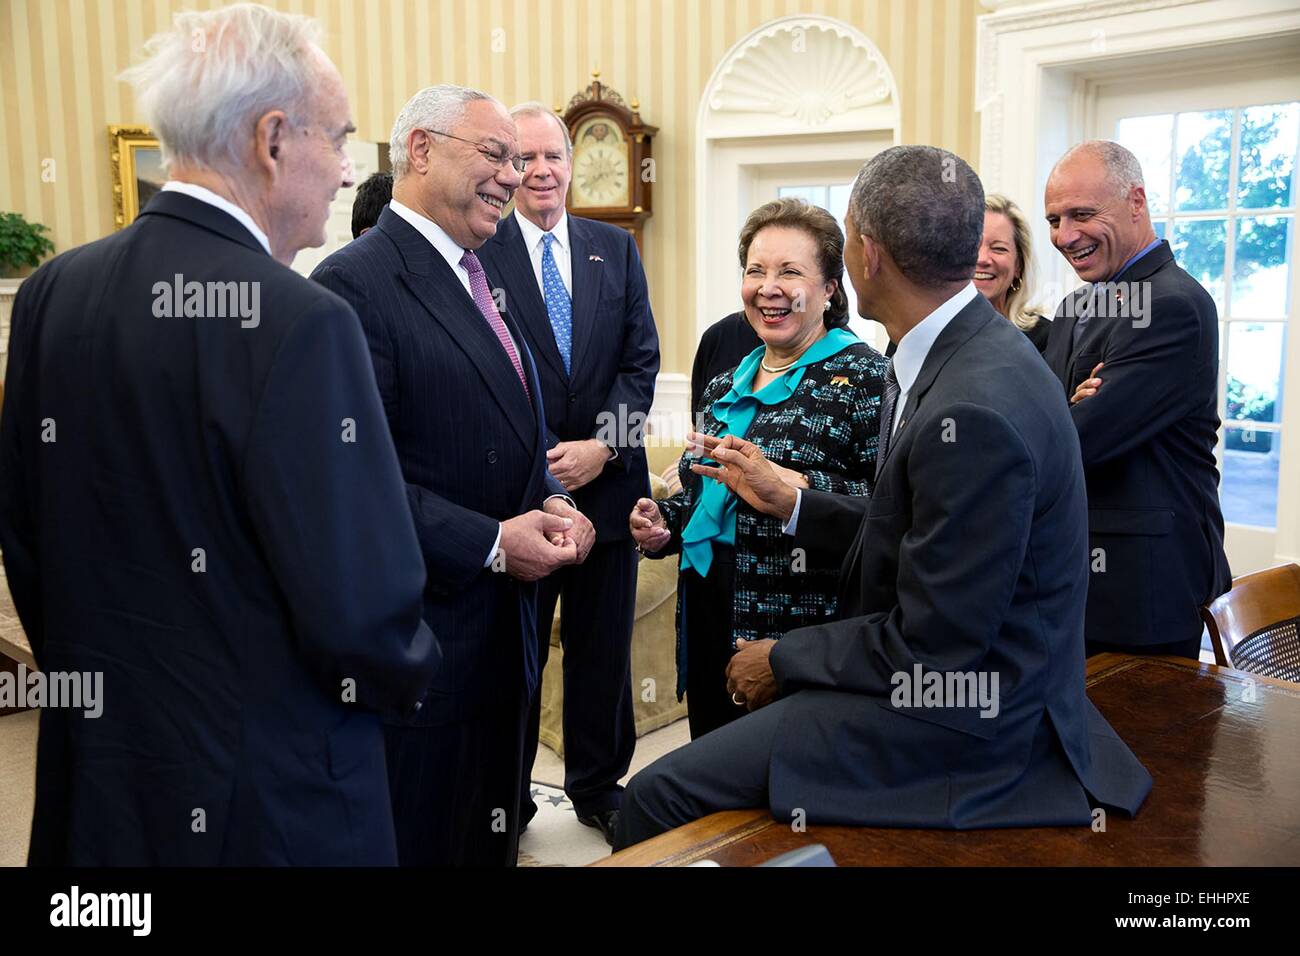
{"x": 451, "y": 251}
{"x": 908, "y": 358}
{"x": 533, "y": 234}
{"x": 202, "y": 194}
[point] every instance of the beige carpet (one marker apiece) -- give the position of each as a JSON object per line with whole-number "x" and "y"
{"x": 555, "y": 837}
{"x": 17, "y": 779}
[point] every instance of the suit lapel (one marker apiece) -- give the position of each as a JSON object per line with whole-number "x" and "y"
{"x": 586, "y": 287}
{"x": 525, "y": 304}
{"x": 1066, "y": 357}
{"x": 437, "y": 288}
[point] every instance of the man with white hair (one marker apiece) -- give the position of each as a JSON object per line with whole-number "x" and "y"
{"x": 465, "y": 406}
{"x": 200, "y": 502}
{"x": 1136, "y": 350}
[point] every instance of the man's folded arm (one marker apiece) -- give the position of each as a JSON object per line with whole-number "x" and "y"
{"x": 327, "y": 502}
{"x": 1144, "y": 382}
{"x": 958, "y": 564}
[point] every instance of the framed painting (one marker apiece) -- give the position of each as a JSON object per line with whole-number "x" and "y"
{"x": 136, "y": 159}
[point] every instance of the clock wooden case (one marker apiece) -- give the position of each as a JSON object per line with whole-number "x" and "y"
{"x": 612, "y": 181}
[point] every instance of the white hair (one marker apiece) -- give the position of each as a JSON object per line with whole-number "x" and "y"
{"x": 1123, "y": 171}
{"x": 206, "y": 82}
{"x": 434, "y": 107}
{"x": 534, "y": 108}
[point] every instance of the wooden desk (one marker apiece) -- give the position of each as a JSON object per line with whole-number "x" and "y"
{"x": 1223, "y": 747}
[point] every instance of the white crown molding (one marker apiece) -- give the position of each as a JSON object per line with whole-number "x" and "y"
{"x": 1024, "y": 53}
{"x": 1023, "y": 18}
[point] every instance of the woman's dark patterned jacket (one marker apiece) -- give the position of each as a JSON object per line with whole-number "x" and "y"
{"x": 827, "y": 430}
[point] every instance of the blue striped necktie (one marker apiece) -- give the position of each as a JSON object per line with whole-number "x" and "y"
{"x": 559, "y": 307}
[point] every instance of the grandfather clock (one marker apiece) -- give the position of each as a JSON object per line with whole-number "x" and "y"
{"x": 611, "y": 146}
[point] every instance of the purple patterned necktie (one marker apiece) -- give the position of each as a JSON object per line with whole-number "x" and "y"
{"x": 483, "y": 299}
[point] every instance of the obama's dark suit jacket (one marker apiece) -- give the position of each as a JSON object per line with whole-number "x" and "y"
{"x": 972, "y": 558}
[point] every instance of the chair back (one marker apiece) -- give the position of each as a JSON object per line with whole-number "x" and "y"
{"x": 1255, "y": 626}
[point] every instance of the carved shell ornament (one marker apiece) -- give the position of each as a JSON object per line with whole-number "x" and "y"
{"x": 809, "y": 72}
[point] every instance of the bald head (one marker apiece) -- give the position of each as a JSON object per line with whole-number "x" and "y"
{"x": 1096, "y": 206}
{"x": 1122, "y": 168}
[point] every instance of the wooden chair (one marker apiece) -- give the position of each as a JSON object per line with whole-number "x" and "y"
{"x": 1255, "y": 627}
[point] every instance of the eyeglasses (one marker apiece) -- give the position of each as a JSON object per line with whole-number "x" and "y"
{"x": 498, "y": 157}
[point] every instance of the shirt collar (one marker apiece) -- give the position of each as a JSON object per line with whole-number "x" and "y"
{"x": 1140, "y": 254}
{"x": 915, "y": 345}
{"x": 533, "y": 233}
{"x": 202, "y": 194}
{"x": 447, "y": 247}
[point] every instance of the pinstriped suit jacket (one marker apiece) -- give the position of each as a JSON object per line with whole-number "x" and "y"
{"x": 472, "y": 449}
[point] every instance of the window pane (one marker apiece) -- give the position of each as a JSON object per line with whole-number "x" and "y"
{"x": 1260, "y": 277}
{"x": 1204, "y": 152}
{"x": 1148, "y": 138}
{"x": 1248, "y": 491}
{"x": 839, "y": 202}
{"x": 1254, "y": 370}
{"x": 814, "y": 194}
{"x": 1268, "y": 146}
{"x": 1198, "y": 246}
{"x": 1159, "y": 225}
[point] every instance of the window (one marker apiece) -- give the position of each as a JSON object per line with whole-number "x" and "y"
{"x": 834, "y": 198}
{"x": 1221, "y": 187}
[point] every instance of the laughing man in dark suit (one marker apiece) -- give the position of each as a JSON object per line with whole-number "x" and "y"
{"x": 464, "y": 403}
{"x": 1137, "y": 351}
{"x": 576, "y": 288}
{"x": 968, "y": 570}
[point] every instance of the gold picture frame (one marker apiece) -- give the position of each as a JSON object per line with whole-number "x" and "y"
{"x": 136, "y": 159}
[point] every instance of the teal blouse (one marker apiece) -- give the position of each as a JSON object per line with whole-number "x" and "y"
{"x": 714, "y": 518}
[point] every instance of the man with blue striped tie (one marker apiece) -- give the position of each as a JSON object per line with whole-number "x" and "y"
{"x": 577, "y": 290}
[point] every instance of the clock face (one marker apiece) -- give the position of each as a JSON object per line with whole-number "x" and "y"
{"x": 600, "y": 165}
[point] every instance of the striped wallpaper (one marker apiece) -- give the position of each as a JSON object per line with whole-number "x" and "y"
{"x": 59, "y": 59}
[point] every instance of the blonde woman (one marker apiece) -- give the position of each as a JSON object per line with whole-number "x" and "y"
{"x": 1005, "y": 268}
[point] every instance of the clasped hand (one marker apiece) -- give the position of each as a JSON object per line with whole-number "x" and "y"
{"x": 539, "y": 542}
